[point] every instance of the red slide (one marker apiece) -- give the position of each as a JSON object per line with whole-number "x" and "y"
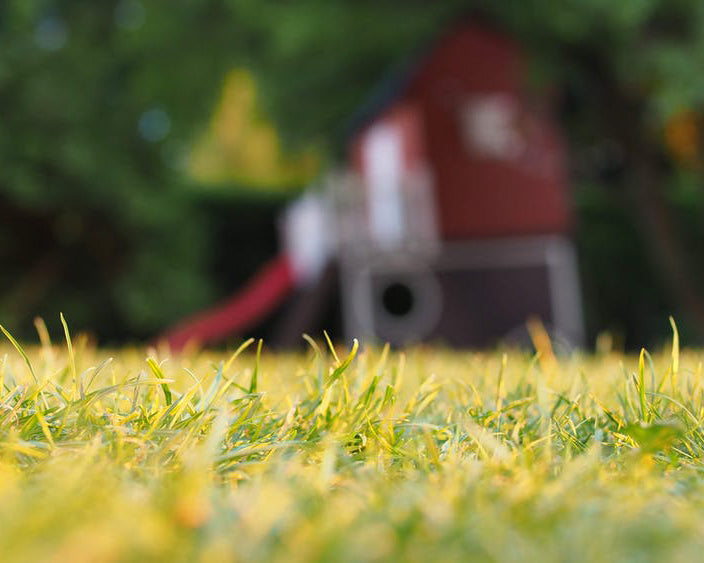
{"x": 256, "y": 300}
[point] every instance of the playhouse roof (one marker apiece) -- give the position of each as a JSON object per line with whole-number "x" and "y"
{"x": 392, "y": 86}
{"x": 395, "y": 83}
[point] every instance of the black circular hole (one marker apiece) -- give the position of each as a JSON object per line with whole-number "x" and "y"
{"x": 398, "y": 299}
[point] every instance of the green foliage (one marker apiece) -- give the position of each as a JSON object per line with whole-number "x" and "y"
{"x": 648, "y": 49}
{"x": 101, "y": 101}
{"x": 320, "y": 60}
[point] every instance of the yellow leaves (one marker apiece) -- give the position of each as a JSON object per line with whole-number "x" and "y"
{"x": 683, "y": 137}
{"x": 242, "y": 147}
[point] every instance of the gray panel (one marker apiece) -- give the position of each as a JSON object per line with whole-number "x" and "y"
{"x": 469, "y": 294}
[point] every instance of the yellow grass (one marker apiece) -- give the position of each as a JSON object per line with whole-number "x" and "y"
{"x": 426, "y": 454}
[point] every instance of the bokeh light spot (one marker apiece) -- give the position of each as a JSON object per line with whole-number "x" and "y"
{"x": 129, "y": 15}
{"x": 51, "y": 34}
{"x": 154, "y": 125}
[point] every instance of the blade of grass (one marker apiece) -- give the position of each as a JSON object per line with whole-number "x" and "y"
{"x": 641, "y": 386}
{"x": 344, "y": 365}
{"x": 236, "y": 353}
{"x": 97, "y": 370}
{"x": 157, "y": 371}
{"x": 44, "y": 338}
{"x": 71, "y": 359}
{"x": 255, "y": 372}
{"x": 21, "y": 351}
{"x": 332, "y": 348}
{"x": 318, "y": 359}
{"x": 675, "y": 355}
{"x": 45, "y": 429}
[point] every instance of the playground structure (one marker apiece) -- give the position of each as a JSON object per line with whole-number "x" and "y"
{"x": 449, "y": 220}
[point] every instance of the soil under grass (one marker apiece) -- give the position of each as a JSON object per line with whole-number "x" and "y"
{"x": 421, "y": 455}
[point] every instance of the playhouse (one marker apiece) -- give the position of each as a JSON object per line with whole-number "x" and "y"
{"x": 449, "y": 220}
{"x": 460, "y": 216}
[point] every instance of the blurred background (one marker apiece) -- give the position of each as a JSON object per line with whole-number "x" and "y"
{"x": 147, "y": 149}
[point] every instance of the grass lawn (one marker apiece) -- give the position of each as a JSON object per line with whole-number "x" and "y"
{"x": 419, "y": 455}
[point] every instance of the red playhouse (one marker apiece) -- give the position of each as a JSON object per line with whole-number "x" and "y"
{"x": 450, "y": 221}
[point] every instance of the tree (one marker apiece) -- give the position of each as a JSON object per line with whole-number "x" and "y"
{"x": 101, "y": 100}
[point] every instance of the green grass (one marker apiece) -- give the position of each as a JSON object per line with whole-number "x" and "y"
{"x": 349, "y": 456}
